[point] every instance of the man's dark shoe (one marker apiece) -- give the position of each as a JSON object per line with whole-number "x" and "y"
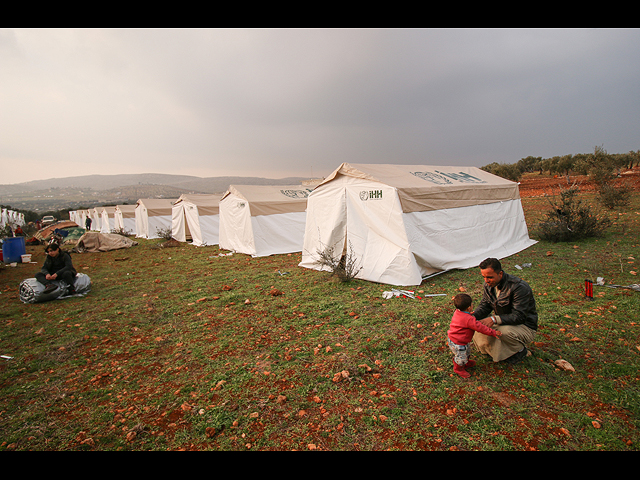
{"x": 49, "y": 288}
{"x": 517, "y": 357}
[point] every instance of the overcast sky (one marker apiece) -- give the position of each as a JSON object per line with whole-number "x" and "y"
{"x": 298, "y": 102}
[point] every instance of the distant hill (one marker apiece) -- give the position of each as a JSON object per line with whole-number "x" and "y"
{"x": 95, "y": 190}
{"x": 108, "y": 182}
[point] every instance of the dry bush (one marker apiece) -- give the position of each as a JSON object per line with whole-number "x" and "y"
{"x": 164, "y": 233}
{"x": 345, "y": 266}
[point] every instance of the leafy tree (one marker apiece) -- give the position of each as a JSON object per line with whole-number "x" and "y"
{"x": 510, "y": 171}
{"x": 565, "y": 165}
{"x": 600, "y": 166}
{"x": 548, "y": 164}
{"x": 529, "y": 164}
{"x": 580, "y": 164}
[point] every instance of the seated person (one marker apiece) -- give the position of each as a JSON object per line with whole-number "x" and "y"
{"x": 57, "y": 266}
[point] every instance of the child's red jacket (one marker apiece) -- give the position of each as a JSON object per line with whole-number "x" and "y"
{"x": 464, "y": 325}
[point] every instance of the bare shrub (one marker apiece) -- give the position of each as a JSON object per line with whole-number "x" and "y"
{"x": 122, "y": 231}
{"x": 345, "y": 266}
{"x": 164, "y": 233}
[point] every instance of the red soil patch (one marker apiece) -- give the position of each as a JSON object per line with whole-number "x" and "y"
{"x": 535, "y": 185}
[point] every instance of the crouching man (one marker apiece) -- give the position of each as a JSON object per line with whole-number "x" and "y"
{"x": 57, "y": 266}
{"x": 509, "y": 306}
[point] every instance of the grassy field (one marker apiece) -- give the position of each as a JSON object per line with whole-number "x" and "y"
{"x": 179, "y": 348}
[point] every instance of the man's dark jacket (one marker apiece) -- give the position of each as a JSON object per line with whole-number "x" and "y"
{"x": 60, "y": 264}
{"x": 515, "y": 305}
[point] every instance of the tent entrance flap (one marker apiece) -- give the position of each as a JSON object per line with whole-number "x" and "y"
{"x": 187, "y": 231}
{"x": 377, "y": 235}
{"x": 325, "y": 227}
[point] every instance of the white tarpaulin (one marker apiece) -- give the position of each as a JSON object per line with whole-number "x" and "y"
{"x": 196, "y": 216}
{"x": 403, "y": 222}
{"x": 262, "y": 220}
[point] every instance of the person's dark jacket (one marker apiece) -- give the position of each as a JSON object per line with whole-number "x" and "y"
{"x": 60, "y": 265}
{"x": 515, "y": 305}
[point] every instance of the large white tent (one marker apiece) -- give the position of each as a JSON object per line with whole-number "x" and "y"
{"x": 262, "y": 220}
{"x": 152, "y": 216}
{"x": 196, "y": 216}
{"x": 125, "y": 218}
{"x": 403, "y": 222}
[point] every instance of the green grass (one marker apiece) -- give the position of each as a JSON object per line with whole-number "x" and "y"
{"x": 166, "y": 354}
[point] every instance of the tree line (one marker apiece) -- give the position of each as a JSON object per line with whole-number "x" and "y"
{"x": 594, "y": 164}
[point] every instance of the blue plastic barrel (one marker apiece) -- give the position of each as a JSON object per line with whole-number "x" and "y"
{"x": 12, "y": 249}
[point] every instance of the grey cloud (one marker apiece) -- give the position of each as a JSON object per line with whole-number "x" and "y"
{"x": 217, "y": 102}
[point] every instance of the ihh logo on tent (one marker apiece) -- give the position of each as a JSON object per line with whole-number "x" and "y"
{"x": 370, "y": 195}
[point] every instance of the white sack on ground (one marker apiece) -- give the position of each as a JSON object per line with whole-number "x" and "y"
{"x": 32, "y": 291}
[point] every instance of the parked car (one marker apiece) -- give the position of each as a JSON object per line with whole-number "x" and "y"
{"x": 48, "y": 220}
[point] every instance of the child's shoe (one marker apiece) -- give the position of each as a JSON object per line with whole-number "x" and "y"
{"x": 460, "y": 370}
{"x": 470, "y": 364}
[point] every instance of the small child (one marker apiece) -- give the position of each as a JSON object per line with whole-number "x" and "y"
{"x": 463, "y": 326}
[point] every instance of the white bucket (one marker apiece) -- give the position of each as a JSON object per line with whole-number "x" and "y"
{"x": 26, "y": 258}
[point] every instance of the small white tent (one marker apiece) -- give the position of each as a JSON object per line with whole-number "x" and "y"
{"x": 262, "y": 220}
{"x": 96, "y": 219}
{"x": 86, "y": 214}
{"x": 196, "y": 216}
{"x": 82, "y": 218}
{"x": 403, "y": 222}
{"x": 107, "y": 219}
{"x": 153, "y": 215}
{"x": 125, "y": 218}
